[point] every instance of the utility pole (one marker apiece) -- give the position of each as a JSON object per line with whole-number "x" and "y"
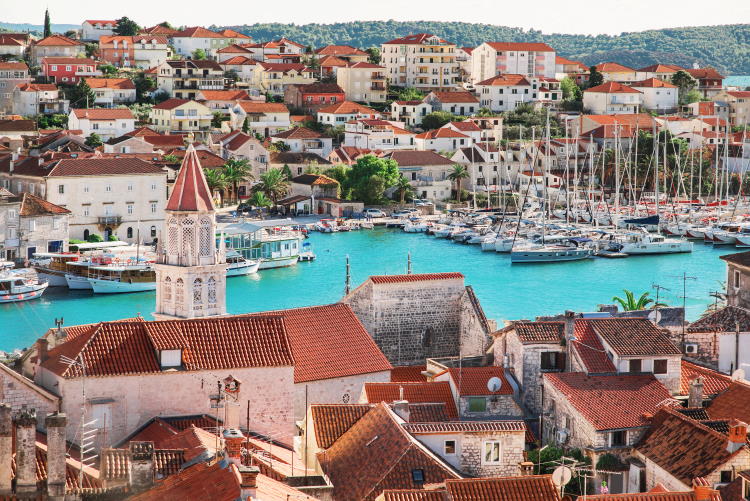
{"x": 658, "y": 288}
{"x": 347, "y": 286}
{"x": 408, "y": 264}
{"x": 685, "y": 278}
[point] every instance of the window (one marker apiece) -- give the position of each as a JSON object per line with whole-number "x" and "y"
{"x": 85, "y": 188}
{"x": 153, "y": 231}
{"x": 736, "y": 279}
{"x": 101, "y": 414}
{"x": 477, "y": 404}
{"x": 130, "y": 208}
{"x": 417, "y": 476}
{"x": 130, "y": 186}
{"x": 61, "y": 188}
{"x": 130, "y": 232}
{"x": 85, "y": 210}
{"x": 449, "y": 447}
{"x": 153, "y": 186}
{"x": 635, "y": 365}
{"x": 549, "y": 360}
{"x": 725, "y": 476}
{"x": 108, "y": 187}
{"x": 618, "y": 438}
{"x": 660, "y": 366}
{"x": 171, "y": 358}
{"x": 153, "y": 207}
{"x": 32, "y": 225}
{"x": 491, "y": 452}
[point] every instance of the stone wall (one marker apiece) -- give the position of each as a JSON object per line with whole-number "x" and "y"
{"x": 474, "y": 326}
{"x": 657, "y": 475}
{"x": 498, "y": 406}
{"x": 343, "y": 390}
{"x": 708, "y": 345}
{"x": 412, "y": 321}
{"x": 560, "y": 414}
{"x": 17, "y": 391}
{"x": 738, "y": 296}
{"x": 511, "y": 450}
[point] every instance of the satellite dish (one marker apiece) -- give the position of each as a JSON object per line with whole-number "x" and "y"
{"x": 494, "y": 384}
{"x": 655, "y": 316}
{"x": 738, "y": 375}
{"x": 562, "y": 475}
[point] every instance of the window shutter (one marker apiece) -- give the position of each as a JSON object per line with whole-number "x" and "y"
{"x": 560, "y": 360}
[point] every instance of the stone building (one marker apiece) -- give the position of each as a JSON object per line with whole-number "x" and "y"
{"x": 738, "y": 279}
{"x": 17, "y": 392}
{"x": 414, "y": 317}
{"x": 474, "y": 399}
{"x": 721, "y": 339}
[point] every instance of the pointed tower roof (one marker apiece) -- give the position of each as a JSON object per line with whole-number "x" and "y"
{"x": 190, "y": 192}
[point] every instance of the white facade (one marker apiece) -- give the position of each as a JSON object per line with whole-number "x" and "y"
{"x": 421, "y": 61}
{"x": 92, "y": 30}
{"x": 410, "y": 112}
{"x": 528, "y": 59}
{"x": 660, "y": 99}
{"x": 106, "y": 128}
{"x": 377, "y": 136}
{"x": 149, "y": 52}
{"x": 605, "y": 103}
{"x": 363, "y": 82}
{"x": 499, "y": 98}
{"x": 42, "y": 98}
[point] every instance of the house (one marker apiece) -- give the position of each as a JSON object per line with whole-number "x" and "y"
{"x": 738, "y": 279}
{"x": 491, "y": 128}
{"x": 611, "y": 427}
{"x": 677, "y": 449}
{"x": 92, "y": 30}
{"x": 487, "y": 167}
{"x": 31, "y": 225}
{"x": 221, "y": 100}
{"x": 304, "y": 140}
{"x": 527, "y": 59}
{"x": 463, "y": 58}
{"x": 611, "y": 98}
{"x": 475, "y": 401}
{"x": 231, "y": 51}
{"x": 345, "y": 111}
{"x": 422, "y": 61}
{"x": 106, "y": 123}
{"x": 12, "y": 74}
{"x": 718, "y": 339}
{"x": 31, "y": 99}
{"x": 345, "y": 52}
{"x": 237, "y": 144}
{"x": 663, "y": 72}
{"x": 410, "y": 112}
{"x": 574, "y": 70}
{"x": 188, "y": 40}
{"x": 616, "y": 72}
{"x": 427, "y": 172}
{"x": 377, "y": 135}
{"x": 298, "y": 163}
{"x": 68, "y": 70}
{"x": 140, "y": 51}
{"x": 180, "y": 115}
{"x": 244, "y": 66}
{"x": 312, "y": 97}
{"x": 13, "y": 131}
{"x": 442, "y": 139}
{"x": 455, "y": 317}
{"x": 738, "y": 102}
{"x": 362, "y": 81}
{"x": 657, "y": 95}
{"x": 184, "y": 79}
{"x": 456, "y": 102}
{"x": 710, "y": 81}
{"x": 348, "y": 155}
{"x": 274, "y": 78}
{"x": 468, "y": 128}
{"x": 505, "y": 92}
{"x": 159, "y": 29}
{"x": 56, "y": 46}
{"x": 513, "y": 488}
{"x": 265, "y": 119}
{"x": 318, "y": 194}
{"x": 117, "y": 50}
{"x": 15, "y": 44}
{"x": 112, "y": 91}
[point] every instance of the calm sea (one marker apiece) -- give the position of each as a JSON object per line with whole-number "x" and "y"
{"x": 742, "y": 81}
{"x": 506, "y": 291}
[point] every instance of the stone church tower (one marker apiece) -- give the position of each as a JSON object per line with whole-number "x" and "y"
{"x": 190, "y": 271}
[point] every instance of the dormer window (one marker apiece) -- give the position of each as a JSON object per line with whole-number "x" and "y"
{"x": 171, "y": 359}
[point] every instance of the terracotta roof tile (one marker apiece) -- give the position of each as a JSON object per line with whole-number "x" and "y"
{"x": 413, "y": 495}
{"x": 653, "y": 83}
{"x": 649, "y": 496}
{"x": 705, "y": 73}
{"x": 298, "y": 133}
{"x": 103, "y": 166}
{"x": 427, "y": 412}
{"x": 418, "y": 39}
{"x": 465, "y": 427}
{"x": 441, "y": 134}
{"x": 330, "y": 421}
{"x": 529, "y": 488}
{"x": 472, "y": 381}
{"x": 632, "y": 336}
{"x": 36, "y": 87}
{"x": 256, "y": 107}
{"x": 110, "y": 83}
{"x": 56, "y": 41}
{"x": 418, "y": 158}
{"x": 115, "y": 463}
{"x": 103, "y": 113}
{"x": 455, "y": 97}
{"x": 224, "y": 95}
{"x": 468, "y": 126}
{"x": 435, "y": 392}
{"x": 409, "y": 373}
{"x": 733, "y": 402}
{"x": 714, "y": 382}
{"x": 683, "y": 447}
{"x": 219, "y": 481}
{"x": 348, "y": 108}
{"x": 613, "y": 88}
{"x": 171, "y": 104}
{"x": 190, "y": 191}
{"x": 416, "y": 277}
{"x": 72, "y": 468}
{"x": 32, "y": 205}
{"x": 340, "y": 50}
{"x": 538, "y": 332}
{"x": 315, "y": 180}
{"x": 521, "y": 46}
{"x": 507, "y": 79}
{"x": 590, "y": 350}
{"x": 613, "y": 67}
{"x": 17, "y": 125}
{"x": 197, "y": 32}
{"x": 196, "y": 442}
{"x": 621, "y": 400}
{"x": 12, "y": 65}
{"x": 723, "y": 320}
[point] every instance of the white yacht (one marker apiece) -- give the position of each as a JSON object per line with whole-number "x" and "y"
{"x": 239, "y": 266}
{"x": 20, "y": 285}
{"x": 643, "y": 242}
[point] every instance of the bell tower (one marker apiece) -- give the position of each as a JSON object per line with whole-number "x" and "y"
{"x": 190, "y": 271}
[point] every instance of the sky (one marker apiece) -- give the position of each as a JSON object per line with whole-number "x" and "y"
{"x": 549, "y": 16}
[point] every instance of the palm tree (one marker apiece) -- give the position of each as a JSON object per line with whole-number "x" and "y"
{"x": 403, "y": 186}
{"x": 216, "y": 180}
{"x": 237, "y": 171}
{"x": 459, "y": 172}
{"x": 273, "y": 184}
{"x": 259, "y": 199}
{"x": 631, "y": 304}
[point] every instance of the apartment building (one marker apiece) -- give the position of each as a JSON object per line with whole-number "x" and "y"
{"x": 31, "y": 99}
{"x": 505, "y": 92}
{"x": 610, "y": 98}
{"x": 106, "y": 123}
{"x": 363, "y": 81}
{"x": 180, "y": 115}
{"x": 112, "y": 91}
{"x": 185, "y": 79}
{"x": 12, "y": 74}
{"x": 93, "y": 29}
{"x": 56, "y": 46}
{"x": 421, "y": 61}
{"x": 527, "y": 59}
{"x": 738, "y": 102}
{"x": 142, "y": 51}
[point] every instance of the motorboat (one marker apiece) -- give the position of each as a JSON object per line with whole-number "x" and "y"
{"x": 20, "y": 285}
{"x": 415, "y": 226}
{"x": 51, "y": 267}
{"x": 643, "y": 242}
{"x": 239, "y": 266}
{"x": 307, "y": 254}
{"x": 119, "y": 279}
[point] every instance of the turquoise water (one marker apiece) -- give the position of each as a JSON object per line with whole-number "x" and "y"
{"x": 737, "y": 80}
{"x": 506, "y": 291}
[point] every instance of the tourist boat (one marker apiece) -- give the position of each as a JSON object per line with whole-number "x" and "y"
{"x": 20, "y": 285}
{"x": 114, "y": 279}
{"x": 643, "y": 242}
{"x": 51, "y": 267}
{"x": 274, "y": 245}
{"x": 415, "y": 226}
{"x": 239, "y": 266}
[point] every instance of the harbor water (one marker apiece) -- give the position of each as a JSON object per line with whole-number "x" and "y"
{"x": 506, "y": 291}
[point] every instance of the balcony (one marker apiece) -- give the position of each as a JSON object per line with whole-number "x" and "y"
{"x": 377, "y": 86}
{"x": 377, "y": 76}
{"x": 115, "y": 220}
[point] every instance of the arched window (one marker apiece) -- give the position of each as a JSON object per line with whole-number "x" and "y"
{"x": 205, "y": 237}
{"x": 153, "y": 232}
{"x": 130, "y": 232}
{"x": 86, "y": 234}
{"x": 211, "y": 290}
{"x": 168, "y": 289}
{"x": 188, "y": 237}
{"x": 179, "y": 293}
{"x": 174, "y": 237}
{"x": 197, "y": 292}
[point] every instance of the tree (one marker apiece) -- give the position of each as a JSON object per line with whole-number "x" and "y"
{"x": 246, "y": 126}
{"x": 216, "y": 180}
{"x": 404, "y": 189}
{"x": 458, "y": 174}
{"x": 113, "y": 238}
{"x": 216, "y": 119}
{"x": 370, "y": 176}
{"x": 595, "y": 78}
{"x": 631, "y": 304}
{"x": 81, "y": 95}
{"x": 340, "y": 173}
{"x": 437, "y": 119}
{"x": 684, "y": 82}
{"x": 71, "y": 34}
{"x": 165, "y": 24}
{"x": 232, "y": 76}
{"x": 141, "y": 111}
{"x": 55, "y": 121}
{"x": 373, "y": 55}
{"x": 144, "y": 84}
{"x": 273, "y": 184}
{"x": 409, "y": 94}
{"x": 570, "y": 90}
{"x": 199, "y": 54}
{"x": 47, "y": 24}
{"x": 94, "y": 238}
{"x": 170, "y": 159}
{"x": 287, "y": 172}
{"x": 108, "y": 70}
{"x": 693, "y": 96}
{"x": 92, "y": 48}
{"x": 126, "y": 27}
{"x": 237, "y": 171}
{"x": 94, "y": 140}
{"x": 259, "y": 199}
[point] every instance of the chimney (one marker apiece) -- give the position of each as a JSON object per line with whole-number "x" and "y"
{"x": 6, "y": 448}
{"x": 703, "y": 490}
{"x": 401, "y": 408}
{"x": 526, "y": 467}
{"x": 26, "y": 451}
{"x": 695, "y": 395}
{"x": 737, "y": 435}
{"x": 141, "y": 472}
{"x": 55, "y": 424}
{"x": 570, "y": 320}
{"x": 248, "y": 481}
{"x": 42, "y": 346}
{"x": 233, "y": 440}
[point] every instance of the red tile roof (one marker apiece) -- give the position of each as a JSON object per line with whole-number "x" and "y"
{"x": 72, "y": 469}
{"x": 256, "y": 107}
{"x": 170, "y": 104}
{"x": 32, "y": 205}
{"x": 103, "y": 166}
{"x": 13, "y": 65}
{"x": 56, "y": 41}
{"x": 409, "y": 373}
{"x": 233, "y": 34}
{"x": 330, "y": 421}
{"x": 714, "y": 382}
{"x": 733, "y": 402}
{"x": 418, "y": 39}
{"x": 590, "y": 350}
{"x": 218, "y": 482}
{"x": 529, "y": 488}
{"x": 115, "y": 463}
{"x": 36, "y": 87}
{"x": 190, "y": 191}
{"x": 613, "y": 88}
{"x": 298, "y": 133}
{"x": 622, "y": 401}
{"x": 224, "y": 95}
{"x": 537, "y": 332}
{"x": 440, "y": 134}
{"x": 465, "y": 126}
{"x": 413, "y": 392}
{"x": 506, "y": 80}
{"x": 110, "y": 83}
{"x": 662, "y": 68}
{"x": 613, "y": 67}
{"x": 197, "y": 32}
{"x": 418, "y": 159}
{"x": 103, "y": 113}
{"x": 705, "y": 73}
{"x": 340, "y": 50}
{"x": 348, "y": 108}
{"x": 69, "y": 60}
{"x": 651, "y": 496}
{"x": 465, "y": 427}
{"x": 455, "y": 97}
{"x": 196, "y": 442}
{"x": 653, "y": 83}
{"x": 743, "y": 94}
{"x": 417, "y": 277}
{"x": 413, "y": 495}
{"x": 632, "y": 336}
{"x": 472, "y": 381}
{"x": 521, "y": 46}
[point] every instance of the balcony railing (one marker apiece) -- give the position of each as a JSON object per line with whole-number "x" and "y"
{"x": 109, "y": 219}
{"x": 378, "y": 76}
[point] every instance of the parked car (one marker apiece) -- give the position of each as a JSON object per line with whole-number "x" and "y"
{"x": 373, "y": 213}
{"x": 421, "y": 202}
{"x": 405, "y": 213}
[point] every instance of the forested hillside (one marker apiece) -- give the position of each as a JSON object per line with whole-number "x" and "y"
{"x": 727, "y": 47}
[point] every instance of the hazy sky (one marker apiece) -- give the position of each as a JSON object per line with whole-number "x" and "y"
{"x": 558, "y": 16}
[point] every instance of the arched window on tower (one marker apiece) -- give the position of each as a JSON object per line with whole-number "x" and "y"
{"x": 174, "y": 237}
{"x": 168, "y": 289}
{"x": 211, "y": 290}
{"x": 205, "y": 237}
{"x": 188, "y": 240}
{"x": 179, "y": 293}
{"x": 197, "y": 293}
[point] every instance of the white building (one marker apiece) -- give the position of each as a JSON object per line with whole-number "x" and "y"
{"x": 505, "y": 92}
{"x": 422, "y": 61}
{"x": 92, "y": 29}
{"x": 31, "y": 99}
{"x": 189, "y": 40}
{"x": 610, "y": 98}
{"x": 30, "y": 225}
{"x": 340, "y": 113}
{"x": 378, "y": 135}
{"x": 456, "y": 102}
{"x": 527, "y": 59}
{"x": 112, "y": 91}
{"x": 657, "y": 95}
{"x": 106, "y": 123}
{"x": 362, "y": 81}
{"x": 265, "y": 119}
{"x": 410, "y": 112}
{"x": 150, "y": 51}
{"x": 304, "y": 140}
{"x": 443, "y": 139}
